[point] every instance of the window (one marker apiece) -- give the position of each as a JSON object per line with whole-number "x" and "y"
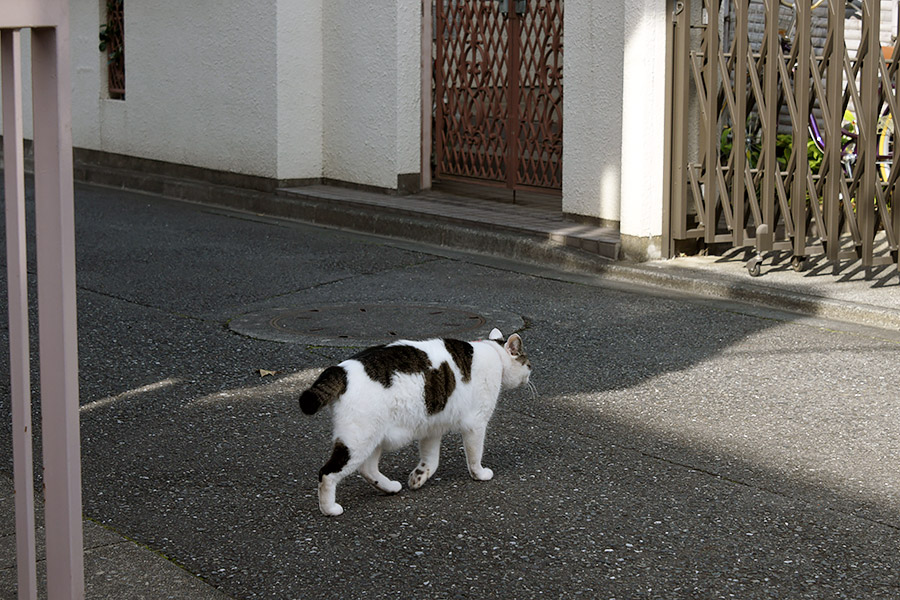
{"x": 112, "y": 42}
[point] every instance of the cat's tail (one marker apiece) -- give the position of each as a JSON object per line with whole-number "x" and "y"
{"x": 330, "y": 386}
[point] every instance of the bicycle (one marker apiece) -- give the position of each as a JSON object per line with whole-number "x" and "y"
{"x": 849, "y": 130}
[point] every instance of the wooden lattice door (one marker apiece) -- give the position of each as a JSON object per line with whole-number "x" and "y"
{"x": 498, "y": 92}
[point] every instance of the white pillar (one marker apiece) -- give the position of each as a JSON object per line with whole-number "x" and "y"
{"x": 643, "y": 126}
{"x": 592, "y": 110}
{"x": 614, "y": 111}
{"x": 371, "y": 92}
{"x": 299, "y": 89}
{"x": 409, "y": 95}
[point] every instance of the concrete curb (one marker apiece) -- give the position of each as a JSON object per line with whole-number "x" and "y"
{"x": 751, "y": 292}
{"x": 528, "y": 248}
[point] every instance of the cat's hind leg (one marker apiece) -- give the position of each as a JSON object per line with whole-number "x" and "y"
{"x": 473, "y": 443}
{"x": 370, "y": 472}
{"x": 429, "y": 456}
{"x": 343, "y": 461}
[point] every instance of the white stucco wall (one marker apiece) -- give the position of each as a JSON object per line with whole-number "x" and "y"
{"x": 299, "y": 89}
{"x": 88, "y": 71}
{"x": 285, "y": 89}
{"x": 643, "y": 121}
{"x": 592, "y": 109}
{"x": 614, "y": 107}
{"x": 409, "y": 86}
{"x": 200, "y": 85}
{"x": 224, "y": 85}
{"x": 371, "y": 91}
{"x": 316, "y": 88}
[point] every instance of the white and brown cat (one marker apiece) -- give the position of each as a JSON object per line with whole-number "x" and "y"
{"x": 387, "y": 396}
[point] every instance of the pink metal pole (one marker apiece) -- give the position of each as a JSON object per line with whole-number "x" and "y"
{"x": 55, "y": 224}
{"x": 17, "y": 283}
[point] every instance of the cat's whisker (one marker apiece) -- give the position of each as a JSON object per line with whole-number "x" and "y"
{"x": 533, "y": 389}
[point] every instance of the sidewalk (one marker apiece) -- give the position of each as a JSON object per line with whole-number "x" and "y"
{"x": 852, "y": 294}
{"x": 114, "y": 566}
{"x": 537, "y": 232}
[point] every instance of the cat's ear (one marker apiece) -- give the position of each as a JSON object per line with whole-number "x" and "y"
{"x": 514, "y": 345}
{"x": 495, "y": 334}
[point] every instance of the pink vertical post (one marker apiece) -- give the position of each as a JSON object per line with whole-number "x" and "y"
{"x": 54, "y": 198}
{"x": 55, "y": 225}
{"x": 17, "y": 283}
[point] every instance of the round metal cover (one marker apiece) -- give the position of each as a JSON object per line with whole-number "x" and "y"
{"x": 367, "y": 324}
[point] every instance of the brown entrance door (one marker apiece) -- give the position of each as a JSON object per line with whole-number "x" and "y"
{"x": 498, "y": 92}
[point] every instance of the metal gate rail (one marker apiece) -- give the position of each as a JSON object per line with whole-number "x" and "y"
{"x": 795, "y": 148}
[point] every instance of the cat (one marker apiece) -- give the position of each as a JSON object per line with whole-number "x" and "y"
{"x": 385, "y": 397}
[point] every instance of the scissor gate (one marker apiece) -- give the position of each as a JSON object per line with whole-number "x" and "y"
{"x": 498, "y": 92}
{"x": 782, "y": 139}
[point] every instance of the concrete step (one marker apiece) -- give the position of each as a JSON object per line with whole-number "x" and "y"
{"x": 486, "y": 226}
{"x": 444, "y": 209}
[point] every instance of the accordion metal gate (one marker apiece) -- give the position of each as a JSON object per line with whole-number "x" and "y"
{"x": 498, "y": 92}
{"x": 795, "y": 145}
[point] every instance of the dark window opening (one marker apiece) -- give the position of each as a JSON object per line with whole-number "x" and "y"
{"x": 112, "y": 41}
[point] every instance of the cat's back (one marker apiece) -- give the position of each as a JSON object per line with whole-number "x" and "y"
{"x": 382, "y": 364}
{"x": 407, "y": 372}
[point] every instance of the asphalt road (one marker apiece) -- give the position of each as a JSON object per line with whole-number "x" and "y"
{"x": 678, "y": 448}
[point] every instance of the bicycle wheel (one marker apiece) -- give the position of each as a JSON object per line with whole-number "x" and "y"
{"x": 813, "y": 5}
{"x": 886, "y": 145}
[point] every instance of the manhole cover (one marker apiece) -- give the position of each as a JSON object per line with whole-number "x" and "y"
{"x": 367, "y": 324}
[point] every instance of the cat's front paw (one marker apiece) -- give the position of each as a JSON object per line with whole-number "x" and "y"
{"x": 418, "y": 477}
{"x": 481, "y": 474}
{"x": 331, "y": 511}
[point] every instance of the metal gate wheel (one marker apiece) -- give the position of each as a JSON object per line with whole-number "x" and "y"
{"x": 754, "y": 266}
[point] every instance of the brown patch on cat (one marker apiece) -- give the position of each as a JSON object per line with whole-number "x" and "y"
{"x": 462, "y": 353}
{"x": 340, "y": 456}
{"x": 381, "y": 362}
{"x": 439, "y": 385}
{"x": 330, "y": 385}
